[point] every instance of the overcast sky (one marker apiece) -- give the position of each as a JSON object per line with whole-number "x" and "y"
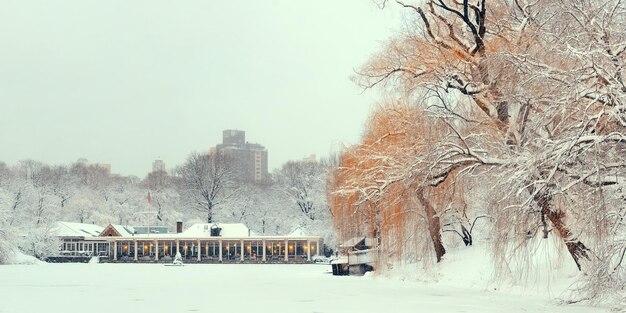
{"x": 127, "y": 82}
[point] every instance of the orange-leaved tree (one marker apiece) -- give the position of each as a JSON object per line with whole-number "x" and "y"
{"x": 532, "y": 94}
{"x": 382, "y": 187}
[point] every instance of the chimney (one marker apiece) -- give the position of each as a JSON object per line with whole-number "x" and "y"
{"x": 179, "y": 227}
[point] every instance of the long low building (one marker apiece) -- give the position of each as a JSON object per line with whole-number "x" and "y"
{"x": 200, "y": 243}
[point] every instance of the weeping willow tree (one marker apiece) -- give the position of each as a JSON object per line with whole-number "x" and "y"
{"x": 526, "y": 98}
{"x": 384, "y": 187}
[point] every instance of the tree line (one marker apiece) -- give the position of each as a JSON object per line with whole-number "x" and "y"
{"x": 35, "y": 195}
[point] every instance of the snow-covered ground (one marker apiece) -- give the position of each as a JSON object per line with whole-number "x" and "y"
{"x": 243, "y": 288}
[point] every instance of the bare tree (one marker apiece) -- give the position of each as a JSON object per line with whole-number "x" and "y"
{"x": 205, "y": 179}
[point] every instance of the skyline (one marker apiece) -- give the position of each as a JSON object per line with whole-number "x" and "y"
{"x": 127, "y": 83}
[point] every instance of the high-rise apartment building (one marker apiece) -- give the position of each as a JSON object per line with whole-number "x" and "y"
{"x": 247, "y": 161}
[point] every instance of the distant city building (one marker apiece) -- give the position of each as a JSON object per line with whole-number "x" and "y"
{"x": 248, "y": 161}
{"x": 158, "y": 166}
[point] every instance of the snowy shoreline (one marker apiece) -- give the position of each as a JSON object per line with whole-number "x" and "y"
{"x": 244, "y": 288}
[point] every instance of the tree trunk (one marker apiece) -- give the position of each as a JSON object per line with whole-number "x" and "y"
{"x": 63, "y": 200}
{"x": 575, "y": 247}
{"x": 434, "y": 225}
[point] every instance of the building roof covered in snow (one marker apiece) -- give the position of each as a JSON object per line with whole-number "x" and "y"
{"x": 359, "y": 243}
{"x": 117, "y": 230}
{"x": 69, "y": 229}
{"x": 196, "y": 231}
{"x": 226, "y": 230}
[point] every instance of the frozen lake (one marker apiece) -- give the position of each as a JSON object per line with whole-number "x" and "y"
{"x": 239, "y": 288}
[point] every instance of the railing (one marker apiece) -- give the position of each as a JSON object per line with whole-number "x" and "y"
{"x": 83, "y": 253}
{"x": 76, "y": 253}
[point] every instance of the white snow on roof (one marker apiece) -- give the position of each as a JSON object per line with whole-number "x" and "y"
{"x": 68, "y": 229}
{"x": 298, "y": 232}
{"x": 228, "y": 230}
{"x": 125, "y": 231}
{"x": 369, "y": 242}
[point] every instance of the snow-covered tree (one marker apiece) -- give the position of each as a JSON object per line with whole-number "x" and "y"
{"x": 380, "y": 191}
{"x": 531, "y": 94}
{"x": 304, "y": 182}
{"x": 271, "y": 212}
{"x": 204, "y": 182}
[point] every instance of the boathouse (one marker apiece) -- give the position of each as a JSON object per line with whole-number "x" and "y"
{"x": 200, "y": 243}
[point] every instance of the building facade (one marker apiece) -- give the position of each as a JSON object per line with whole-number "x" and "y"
{"x": 247, "y": 161}
{"x": 200, "y": 243}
